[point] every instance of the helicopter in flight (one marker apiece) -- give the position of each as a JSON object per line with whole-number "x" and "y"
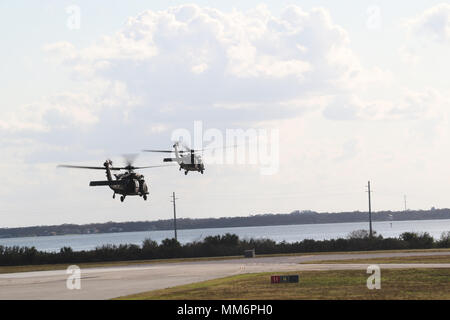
{"x": 188, "y": 159}
{"x": 128, "y": 183}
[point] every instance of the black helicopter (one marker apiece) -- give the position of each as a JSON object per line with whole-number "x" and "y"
{"x": 188, "y": 159}
{"x": 129, "y": 183}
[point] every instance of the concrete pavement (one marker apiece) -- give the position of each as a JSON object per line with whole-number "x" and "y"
{"x": 111, "y": 282}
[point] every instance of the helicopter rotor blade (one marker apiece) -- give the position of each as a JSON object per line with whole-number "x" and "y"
{"x": 159, "y": 151}
{"x": 130, "y": 158}
{"x": 145, "y": 167}
{"x": 108, "y": 183}
{"x": 189, "y": 150}
{"x": 207, "y": 149}
{"x": 86, "y": 167}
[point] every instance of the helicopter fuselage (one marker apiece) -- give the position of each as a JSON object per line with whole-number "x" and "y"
{"x": 128, "y": 183}
{"x": 188, "y": 162}
{"x": 131, "y": 184}
{"x": 192, "y": 166}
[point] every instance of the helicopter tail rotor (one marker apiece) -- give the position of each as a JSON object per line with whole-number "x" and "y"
{"x": 108, "y": 163}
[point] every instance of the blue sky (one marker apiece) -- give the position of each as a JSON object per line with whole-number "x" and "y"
{"x": 360, "y": 91}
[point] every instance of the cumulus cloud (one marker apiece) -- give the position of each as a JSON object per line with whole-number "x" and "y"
{"x": 338, "y": 118}
{"x": 433, "y": 24}
{"x": 189, "y": 57}
{"x": 164, "y": 69}
{"x": 69, "y": 109}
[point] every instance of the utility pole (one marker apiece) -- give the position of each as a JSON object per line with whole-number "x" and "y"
{"x": 174, "y": 215}
{"x": 370, "y": 210}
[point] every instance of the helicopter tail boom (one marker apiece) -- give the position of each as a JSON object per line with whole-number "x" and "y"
{"x": 107, "y": 183}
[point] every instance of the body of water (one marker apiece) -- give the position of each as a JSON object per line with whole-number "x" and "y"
{"x": 288, "y": 233}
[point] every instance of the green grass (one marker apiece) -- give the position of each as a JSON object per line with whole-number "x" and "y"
{"x": 413, "y": 259}
{"x": 396, "y": 284}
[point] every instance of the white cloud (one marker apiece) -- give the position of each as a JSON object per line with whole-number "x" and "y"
{"x": 408, "y": 105}
{"x": 201, "y": 56}
{"x": 409, "y": 55}
{"x": 164, "y": 69}
{"x": 158, "y": 128}
{"x": 433, "y": 24}
{"x": 70, "y": 109}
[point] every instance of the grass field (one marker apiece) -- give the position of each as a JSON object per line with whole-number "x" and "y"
{"x": 46, "y": 267}
{"x": 396, "y": 284}
{"x": 413, "y": 259}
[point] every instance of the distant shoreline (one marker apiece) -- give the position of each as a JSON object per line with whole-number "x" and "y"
{"x": 294, "y": 218}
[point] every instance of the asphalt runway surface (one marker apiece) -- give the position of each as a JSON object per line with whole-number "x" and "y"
{"x": 113, "y": 282}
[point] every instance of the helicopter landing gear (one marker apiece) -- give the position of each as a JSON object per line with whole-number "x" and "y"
{"x": 201, "y": 171}
{"x": 122, "y": 198}
{"x": 145, "y": 197}
{"x": 185, "y": 173}
{"x": 114, "y": 195}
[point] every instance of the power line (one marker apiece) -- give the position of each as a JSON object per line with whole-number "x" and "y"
{"x": 174, "y": 214}
{"x": 370, "y": 209}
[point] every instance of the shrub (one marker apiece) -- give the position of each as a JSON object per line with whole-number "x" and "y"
{"x": 416, "y": 240}
{"x": 361, "y": 234}
{"x": 444, "y": 241}
{"x": 225, "y": 245}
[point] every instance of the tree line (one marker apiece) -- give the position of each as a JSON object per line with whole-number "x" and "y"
{"x": 296, "y": 217}
{"x": 215, "y": 246}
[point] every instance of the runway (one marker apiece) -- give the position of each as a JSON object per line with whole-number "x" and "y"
{"x": 112, "y": 282}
